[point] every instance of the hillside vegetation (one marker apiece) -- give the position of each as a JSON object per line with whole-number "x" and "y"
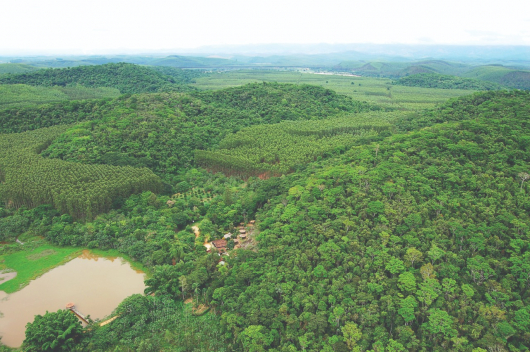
{"x": 400, "y": 69}
{"x": 387, "y": 229}
{"x": 422, "y": 245}
{"x": 161, "y": 131}
{"x": 497, "y": 74}
{"x": 127, "y": 78}
{"x": 377, "y": 91}
{"x": 504, "y": 76}
{"x": 16, "y": 68}
{"x": 416, "y": 242}
{"x": 277, "y": 149}
{"x": 175, "y": 61}
{"x": 181, "y": 76}
{"x": 433, "y": 80}
{"x": 27, "y": 179}
{"x": 18, "y": 95}
{"x": 190, "y": 61}
{"x": 423, "y": 235}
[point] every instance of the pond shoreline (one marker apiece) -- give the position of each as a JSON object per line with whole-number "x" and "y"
{"x": 30, "y": 263}
{"x": 5, "y": 276}
{"x": 95, "y": 284}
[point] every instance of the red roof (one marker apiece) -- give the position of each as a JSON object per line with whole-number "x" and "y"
{"x": 219, "y": 243}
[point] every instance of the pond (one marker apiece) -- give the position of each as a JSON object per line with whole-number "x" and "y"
{"x": 96, "y": 285}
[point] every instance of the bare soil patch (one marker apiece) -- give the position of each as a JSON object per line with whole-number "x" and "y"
{"x": 42, "y": 254}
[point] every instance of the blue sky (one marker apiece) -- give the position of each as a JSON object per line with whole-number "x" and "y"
{"x": 104, "y": 26}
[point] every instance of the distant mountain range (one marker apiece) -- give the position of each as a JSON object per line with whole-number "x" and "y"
{"x": 506, "y": 65}
{"x": 320, "y": 53}
{"x": 374, "y": 51}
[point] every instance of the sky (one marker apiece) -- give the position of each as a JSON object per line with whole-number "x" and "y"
{"x": 127, "y": 26}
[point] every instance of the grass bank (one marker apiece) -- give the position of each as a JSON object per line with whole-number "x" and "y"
{"x": 30, "y": 262}
{"x": 113, "y": 253}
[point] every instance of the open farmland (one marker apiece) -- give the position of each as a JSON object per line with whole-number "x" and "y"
{"x": 378, "y": 91}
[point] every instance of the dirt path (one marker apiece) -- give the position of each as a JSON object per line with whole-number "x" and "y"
{"x": 196, "y": 231}
{"x": 108, "y": 321}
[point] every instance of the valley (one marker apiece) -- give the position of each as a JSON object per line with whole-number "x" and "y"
{"x": 271, "y": 209}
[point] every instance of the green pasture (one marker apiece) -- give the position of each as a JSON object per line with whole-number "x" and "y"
{"x": 378, "y": 91}
{"x": 32, "y": 263}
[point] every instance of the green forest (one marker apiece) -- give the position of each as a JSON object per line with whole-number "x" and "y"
{"x": 375, "y": 224}
{"x": 20, "y": 95}
{"x": 161, "y": 131}
{"x": 277, "y": 149}
{"x": 433, "y": 80}
{"x": 127, "y": 78}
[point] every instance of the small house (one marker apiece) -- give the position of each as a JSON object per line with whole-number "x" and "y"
{"x": 220, "y": 245}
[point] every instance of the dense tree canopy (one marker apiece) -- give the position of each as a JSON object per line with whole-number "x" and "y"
{"x": 421, "y": 245}
{"x": 412, "y": 240}
{"x": 434, "y": 80}
{"x": 55, "y": 331}
{"x": 83, "y": 191}
{"x": 267, "y": 150}
{"x": 127, "y": 78}
{"x": 162, "y": 131}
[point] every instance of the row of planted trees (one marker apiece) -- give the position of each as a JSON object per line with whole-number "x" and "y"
{"x": 277, "y": 149}
{"x": 82, "y": 191}
{"x": 417, "y": 242}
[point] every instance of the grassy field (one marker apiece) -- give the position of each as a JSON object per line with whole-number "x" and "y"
{"x": 379, "y": 91}
{"x": 36, "y": 258}
{"x": 32, "y": 263}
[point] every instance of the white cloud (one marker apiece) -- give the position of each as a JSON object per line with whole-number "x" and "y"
{"x": 105, "y": 25}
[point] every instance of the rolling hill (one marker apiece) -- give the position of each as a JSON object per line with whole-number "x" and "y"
{"x": 502, "y": 75}
{"x": 364, "y": 229}
{"x": 434, "y": 80}
{"x": 399, "y": 69}
{"x": 21, "y": 94}
{"x": 191, "y": 62}
{"x": 127, "y": 78}
{"x": 16, "y": 68}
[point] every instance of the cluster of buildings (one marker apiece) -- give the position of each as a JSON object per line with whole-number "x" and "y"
{"x": 220, "y": 245}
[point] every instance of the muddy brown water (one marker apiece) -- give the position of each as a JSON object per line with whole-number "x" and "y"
{"x": 96, "y": 285}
